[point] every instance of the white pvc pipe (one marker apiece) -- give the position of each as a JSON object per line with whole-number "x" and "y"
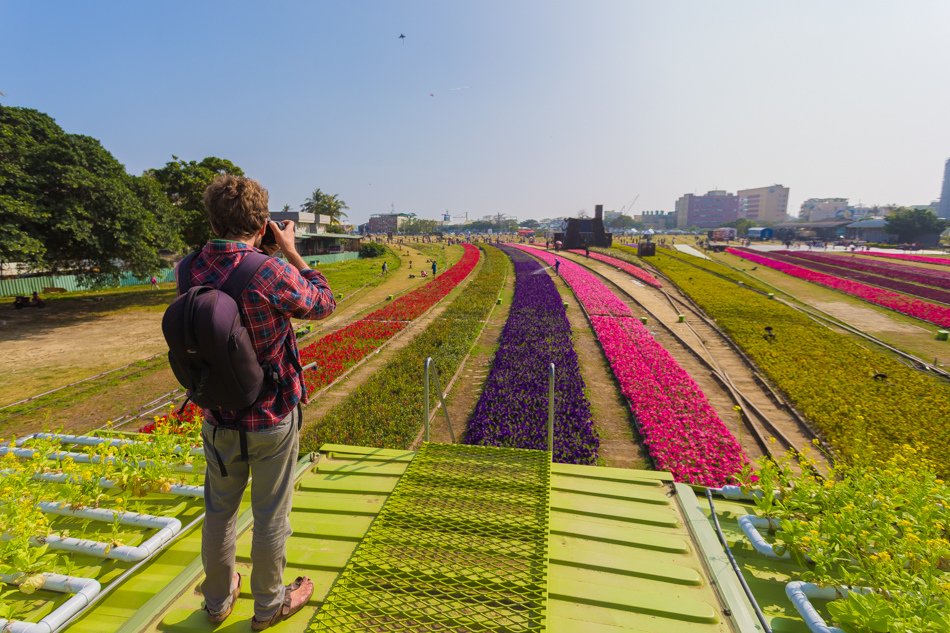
{"x": 167, "y": 528}
{"x": 83, "y": 590}
{"x": 177, "y": 489}
{"x": 750, "y": 525}
{"x": 800, "y": 592}
{"x": 88, "y": 440}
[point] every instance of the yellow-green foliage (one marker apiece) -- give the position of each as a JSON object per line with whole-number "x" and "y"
{"x": 828, "y": 376}
{"x": 881, "y": 525}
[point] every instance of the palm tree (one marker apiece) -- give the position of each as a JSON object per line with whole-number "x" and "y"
{"x": 325, "y": 204}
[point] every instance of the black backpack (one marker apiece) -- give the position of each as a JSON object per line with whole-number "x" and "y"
{"x": 209, "y": 349}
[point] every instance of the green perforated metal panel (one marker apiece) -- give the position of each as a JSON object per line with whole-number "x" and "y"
{"x": 460, "y": 545}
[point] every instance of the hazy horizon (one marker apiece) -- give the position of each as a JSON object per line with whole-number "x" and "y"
{"x": 532, "y": 109}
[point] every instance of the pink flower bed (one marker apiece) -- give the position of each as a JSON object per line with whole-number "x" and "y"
{"x": 924, "y": 259}
{"x": 679, "y": 427}
{"x": 924, "y": 310}
{"x": 626, "y": 267}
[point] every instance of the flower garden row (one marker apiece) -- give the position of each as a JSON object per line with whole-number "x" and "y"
{"x": 923, "y": 259}
{"x": 512, "y": 409}
{"x": 680, "y": 429}
{"x": 907, "y": 272}
{"x": 827, "y": 375}
{"x": 627, "y": 267}
{"x": 340, "y": 350}
{"x": 910, "y": 306}
{"x": 854, "y": 273}
{"x": 385, "y": 411}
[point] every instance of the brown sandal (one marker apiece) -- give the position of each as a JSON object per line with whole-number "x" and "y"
{"x": 218, "y": 618}
{"x": 296, "y": 595}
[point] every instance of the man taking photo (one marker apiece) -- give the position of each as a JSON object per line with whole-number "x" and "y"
{"x": 261, "y": 440}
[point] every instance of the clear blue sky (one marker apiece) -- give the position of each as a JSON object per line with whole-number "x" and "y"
{"x": 537, "y": 108}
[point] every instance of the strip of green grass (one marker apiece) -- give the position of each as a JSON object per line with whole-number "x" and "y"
{"x": 386, "y": 410}
{"x": 828, "y": 376}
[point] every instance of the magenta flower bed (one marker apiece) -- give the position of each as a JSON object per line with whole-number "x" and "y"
{"x": 891, "y": 270}
{"x": 679, "y": 427}
{"x": 626, "y": 267}
{"x": 917, "y": 308}
{"x": 904, "y": 287}
{"x": 924, "y": 259}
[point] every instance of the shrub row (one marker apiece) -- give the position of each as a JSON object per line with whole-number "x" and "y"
{"x": 386, "y": 410}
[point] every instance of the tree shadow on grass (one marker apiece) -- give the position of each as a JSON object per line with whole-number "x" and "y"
{"x": 64, "y": 312}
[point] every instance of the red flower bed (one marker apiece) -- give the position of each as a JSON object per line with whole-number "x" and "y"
{"x": 173, "y": 422}
{"x": 897, "y": 302}
{"x": 337, "y": 352}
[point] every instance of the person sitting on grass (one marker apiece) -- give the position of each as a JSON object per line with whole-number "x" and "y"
{"x": 262, "y": 440}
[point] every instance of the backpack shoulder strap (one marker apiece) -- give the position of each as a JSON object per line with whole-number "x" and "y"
{"x": 237, "y": 281}
{"x": 184, "y": 272}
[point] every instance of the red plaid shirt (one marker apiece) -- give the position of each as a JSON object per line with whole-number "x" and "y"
{"x": 278, "y": 292}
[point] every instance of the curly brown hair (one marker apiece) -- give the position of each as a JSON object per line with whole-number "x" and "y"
{"x": 236, "y": 206}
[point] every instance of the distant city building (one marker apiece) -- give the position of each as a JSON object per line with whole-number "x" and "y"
{"x": 657, "y": 220}
{"x": 386, "y": 222}
{"x": 944, "y": 209}
{"x": 764, "y": 204}
{"x": 707, "y": 212}
{"x": 818, "y": 209}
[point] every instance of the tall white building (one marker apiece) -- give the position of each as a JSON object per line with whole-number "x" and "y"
{"x": 764, "y": 204}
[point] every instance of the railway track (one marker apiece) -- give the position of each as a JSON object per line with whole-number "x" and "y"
{"x": 701, "y": 347}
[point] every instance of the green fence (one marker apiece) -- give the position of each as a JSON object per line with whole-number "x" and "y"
{"x": 26, "y": 285}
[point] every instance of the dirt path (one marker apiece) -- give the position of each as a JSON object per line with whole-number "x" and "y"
{"x": 695, "y": 336}
{"x": 473, "y": 372}
{"x": 619, "y": 444}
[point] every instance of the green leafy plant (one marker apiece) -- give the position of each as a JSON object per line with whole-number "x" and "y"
{"x": 876, "y": 525}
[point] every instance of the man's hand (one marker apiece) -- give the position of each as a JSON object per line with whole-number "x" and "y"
{"x": 286, "y": 243}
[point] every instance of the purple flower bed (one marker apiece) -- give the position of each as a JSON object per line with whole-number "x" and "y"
{"x": 890, "y": 270}
{"x": 933, "y": 294}
{"x": 513, "y": 408}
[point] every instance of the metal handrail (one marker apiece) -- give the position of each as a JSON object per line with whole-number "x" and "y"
{"x": 551, "y": 410}
{"x": 428, "y": 365}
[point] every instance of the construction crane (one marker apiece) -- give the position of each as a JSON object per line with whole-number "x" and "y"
{"x": 628, "y": 208}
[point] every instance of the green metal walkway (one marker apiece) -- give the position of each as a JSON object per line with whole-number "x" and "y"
{"x": 461, "y": 544}
{"x": 459, "y": 538}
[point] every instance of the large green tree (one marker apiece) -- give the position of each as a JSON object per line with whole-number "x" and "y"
{"x": 909, "y": 225}
{"x": 323, "y": 203}
{"x": 68, "y": 204}
{"x": 184, "y": 184}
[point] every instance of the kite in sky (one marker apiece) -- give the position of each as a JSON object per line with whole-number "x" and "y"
{"x": 402, "y": 37}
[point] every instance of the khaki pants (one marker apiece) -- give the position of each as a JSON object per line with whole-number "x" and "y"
{"x": 272, "y": 458}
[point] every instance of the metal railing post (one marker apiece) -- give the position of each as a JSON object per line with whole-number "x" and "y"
{"x": 551, "y": 410}
{"x": 425, "y": 406}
